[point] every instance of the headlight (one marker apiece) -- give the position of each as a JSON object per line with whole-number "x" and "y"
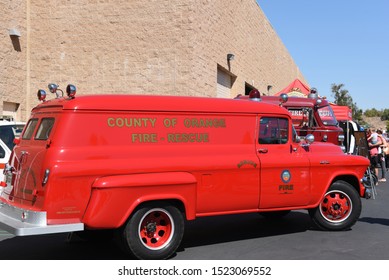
{"x": 340, "y": 137}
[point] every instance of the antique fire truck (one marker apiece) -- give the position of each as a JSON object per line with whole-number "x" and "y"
{"x": 140, "y": 166}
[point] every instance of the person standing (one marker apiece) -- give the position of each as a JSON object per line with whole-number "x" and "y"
{"x": 385, "y": 149}
{"x": 373, "y": 138}
{"x": 376, "y": 158}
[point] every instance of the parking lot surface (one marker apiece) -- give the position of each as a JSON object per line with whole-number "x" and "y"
{"x": 239, "y": 237}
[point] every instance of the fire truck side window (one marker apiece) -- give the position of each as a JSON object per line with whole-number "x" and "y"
{"x": 45, "y": 129}
{"x": 273, "y": 131}
{"x": 30, "y": 129}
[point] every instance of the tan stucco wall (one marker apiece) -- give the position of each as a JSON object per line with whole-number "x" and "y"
{"x": 158, "y": 47}
{"x": 13, "y": 55}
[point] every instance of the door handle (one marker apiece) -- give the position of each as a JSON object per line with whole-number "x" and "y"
{"x": 23, "y": 158}
{"x": 262, "y": 150}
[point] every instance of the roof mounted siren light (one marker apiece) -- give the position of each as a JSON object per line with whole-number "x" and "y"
{"x": 41, "y": 95}
{"x": 283, "y": 98}
{"x": 255, "y": 95}
{"x": 313, "y": 94}
{"x": 53, "y": 88}
{"x": 71, "y": 91}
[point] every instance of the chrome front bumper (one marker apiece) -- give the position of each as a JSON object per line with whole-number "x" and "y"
{"x": 23, "y": 222}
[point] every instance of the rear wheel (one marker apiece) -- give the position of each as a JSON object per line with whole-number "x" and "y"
{"x": 339, "y": 209}
{"x": 154, "y": 231}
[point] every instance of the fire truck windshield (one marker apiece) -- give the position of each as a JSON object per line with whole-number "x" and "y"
{"x": 327, "y": 115}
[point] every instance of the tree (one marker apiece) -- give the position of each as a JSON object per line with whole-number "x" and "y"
{"x": 343, "y": 98}
{"x": 372, "y": 113}
{"x": 385, "y": 115}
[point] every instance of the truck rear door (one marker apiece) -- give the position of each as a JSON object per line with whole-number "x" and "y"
{"x": 285, "y": 172}
{"x": 27, "y": 162}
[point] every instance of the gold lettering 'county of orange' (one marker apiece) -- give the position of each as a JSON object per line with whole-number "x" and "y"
{"x": 131, "y": 122}
{"x": 123, "y": 122}
{"x": 204, "y": 123}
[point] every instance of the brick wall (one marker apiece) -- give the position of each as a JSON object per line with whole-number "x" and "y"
{"x": 241, "y": 28}
{"x": 138, "y": 47}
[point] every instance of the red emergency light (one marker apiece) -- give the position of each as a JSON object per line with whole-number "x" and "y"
{"x": 255, "y": 94}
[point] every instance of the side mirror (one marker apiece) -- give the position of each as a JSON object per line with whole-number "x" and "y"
{"x": 309, "y": 139}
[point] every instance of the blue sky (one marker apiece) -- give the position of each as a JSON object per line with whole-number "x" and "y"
{"x": 337, "y": 41}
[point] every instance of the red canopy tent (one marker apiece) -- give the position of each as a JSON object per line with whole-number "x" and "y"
{"x": 295, "y": 88}
{"x": 298, "y": 88}
{"x": 342, "y": 113}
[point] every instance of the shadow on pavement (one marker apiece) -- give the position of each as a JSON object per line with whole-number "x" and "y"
{"x": 202, "y": 231}
{"x": 56, "y": 247}
{"x": 229, "y": 228}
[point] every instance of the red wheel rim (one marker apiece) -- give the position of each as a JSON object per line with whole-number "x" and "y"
{"x": 336, "y": 206}
{"x": 156, "y": 229}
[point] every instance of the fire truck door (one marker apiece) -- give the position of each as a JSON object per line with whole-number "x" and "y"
{"x": 285, "y": 173}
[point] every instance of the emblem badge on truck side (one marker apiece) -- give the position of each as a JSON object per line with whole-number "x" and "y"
{"x": 285, "y": 176}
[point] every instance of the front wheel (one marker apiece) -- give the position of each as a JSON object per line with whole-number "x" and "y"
{"x": 339, "y": 209}
{"x": 154, "y": 231}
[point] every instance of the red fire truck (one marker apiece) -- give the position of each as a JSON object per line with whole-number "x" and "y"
{"x": 142, "y": 165}
{"x": 310, "y": 115}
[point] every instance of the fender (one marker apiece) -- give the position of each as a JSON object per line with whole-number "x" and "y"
{"x": 114, "y": 198}
{"x": 349, "y": 177}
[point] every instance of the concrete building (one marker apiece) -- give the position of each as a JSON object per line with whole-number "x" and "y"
{"x": 216, "y": 48}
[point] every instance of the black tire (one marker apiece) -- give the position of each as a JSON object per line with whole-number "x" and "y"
{"x": 275, "y": 214}
{"x": 339, "y": 209}
{"x": 154, "y": 231}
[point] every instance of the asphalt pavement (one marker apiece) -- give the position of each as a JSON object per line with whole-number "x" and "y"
{"x": 292, "y": 238}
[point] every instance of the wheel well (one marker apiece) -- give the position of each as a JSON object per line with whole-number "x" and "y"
{"x": 174, "y": 202}
{"x": 352, "y": 180}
